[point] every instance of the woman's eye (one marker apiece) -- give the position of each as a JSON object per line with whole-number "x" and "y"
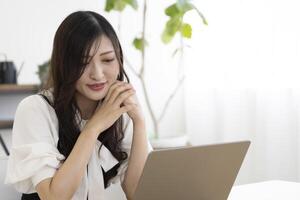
{"x": 108, "y": 60}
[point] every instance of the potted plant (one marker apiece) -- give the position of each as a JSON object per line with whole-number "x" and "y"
{"x": 42, "y": 72}
{"x": 175, "y": 24}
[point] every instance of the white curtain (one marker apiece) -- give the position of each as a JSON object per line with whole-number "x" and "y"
{"x": 269, "y": 118}
{"x": 243, "y": 83}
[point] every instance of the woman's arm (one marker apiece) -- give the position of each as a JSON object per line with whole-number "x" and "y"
{"x": 137, "y": 159}
{"x": 68, "y": 177}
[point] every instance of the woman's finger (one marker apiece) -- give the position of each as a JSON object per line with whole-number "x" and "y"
{"x": 117, "y": 91}
{"x": 125, "y": 109}
{"x": 111, "y": 89}
{"x": 123, "y": 96}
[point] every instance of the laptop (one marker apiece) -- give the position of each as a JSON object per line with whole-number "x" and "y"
{"x": 193, "y": 173}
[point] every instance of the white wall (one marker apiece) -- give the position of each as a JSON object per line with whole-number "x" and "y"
{"x": 247, "y": 44}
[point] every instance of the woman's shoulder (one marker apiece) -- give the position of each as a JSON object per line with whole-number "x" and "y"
{"x": 35, "y": 106}
{"x": 33, "y": 101}
{"x": 34, "y": 121}
{"x": 30, "y": 102}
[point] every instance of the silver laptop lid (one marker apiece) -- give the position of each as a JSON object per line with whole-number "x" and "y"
{"x": 192, "y": 173}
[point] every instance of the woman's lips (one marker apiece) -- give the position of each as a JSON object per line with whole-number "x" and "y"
{"x": 97, "y": 87}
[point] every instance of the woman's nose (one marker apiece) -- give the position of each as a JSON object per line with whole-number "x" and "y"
{"x": 97, "y": 73}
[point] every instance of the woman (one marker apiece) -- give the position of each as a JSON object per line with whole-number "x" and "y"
{"x": 69, "y": 141}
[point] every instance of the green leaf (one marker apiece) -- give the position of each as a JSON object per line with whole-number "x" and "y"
{"x": 176, "y": 13}
{"x": 109, "y": 5}
{"x": 139, "y": 43}
{"x": 186, "y": 30}
{"x": 132, "y": 3}
{"x": 166, "y": 37}
{"x": 172, "y": 10}
{"x": 119, "y": 5}
{"x": 173, "y": 25}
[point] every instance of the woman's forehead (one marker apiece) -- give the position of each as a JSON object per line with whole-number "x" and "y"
{"x": 101, "y": 46}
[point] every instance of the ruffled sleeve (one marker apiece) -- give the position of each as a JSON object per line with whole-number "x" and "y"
{"x": 126, "y": 146}
{"x": 34, "y": 156}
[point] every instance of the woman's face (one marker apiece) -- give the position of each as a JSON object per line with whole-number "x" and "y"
{"x": 101, "y": 72}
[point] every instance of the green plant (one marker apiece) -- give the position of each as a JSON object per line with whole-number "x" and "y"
{"x": 42, "y": 72}
{"x": 175, "y": 24}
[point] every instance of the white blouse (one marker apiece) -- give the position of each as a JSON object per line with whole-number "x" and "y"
{"x": 34, "y": 155}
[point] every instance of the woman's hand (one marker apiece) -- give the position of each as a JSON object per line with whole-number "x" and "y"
{"x": 111, "y": 108}
{"x": 135, "y": 113}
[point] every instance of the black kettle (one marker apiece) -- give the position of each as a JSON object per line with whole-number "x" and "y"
{"x": 8, "y": 73}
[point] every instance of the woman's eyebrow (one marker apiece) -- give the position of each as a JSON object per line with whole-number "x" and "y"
{"x": 107, "y": 52}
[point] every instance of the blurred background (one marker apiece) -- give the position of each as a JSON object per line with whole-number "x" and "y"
{"x": 236, "y": 78}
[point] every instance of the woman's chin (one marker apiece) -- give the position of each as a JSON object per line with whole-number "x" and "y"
{"x": 95, "y": 96}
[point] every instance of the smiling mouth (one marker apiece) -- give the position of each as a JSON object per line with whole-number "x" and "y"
{"x": 97, "y": 87}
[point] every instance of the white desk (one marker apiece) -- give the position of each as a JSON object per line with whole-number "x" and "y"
{"x": 269, "y": 190}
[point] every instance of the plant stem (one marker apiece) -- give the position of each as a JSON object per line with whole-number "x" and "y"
{"x": 171, "y": 96}
{"x": 180, "y": 82}
{"x": 154, "y": 120}
{"x": 142, "y": 74}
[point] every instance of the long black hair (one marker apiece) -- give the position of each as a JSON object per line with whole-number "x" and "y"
{"x": 72, "y": 43}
